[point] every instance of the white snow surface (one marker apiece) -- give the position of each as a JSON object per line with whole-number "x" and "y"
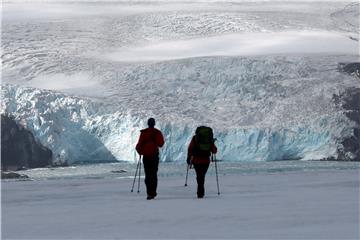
{"x": 241, "y": 44}
{"x": 287, "y": 205}
{"x": 84, "y": 77}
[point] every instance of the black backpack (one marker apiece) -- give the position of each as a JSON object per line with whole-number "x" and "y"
{"x": 204, "y": 139}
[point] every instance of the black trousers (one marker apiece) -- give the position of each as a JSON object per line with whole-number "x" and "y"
{"x": 151, "y": 165}
{"x": 201, "y": 170}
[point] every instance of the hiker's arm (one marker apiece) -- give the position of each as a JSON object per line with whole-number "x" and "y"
{"x": 160, "y": 139}
{"x": 139, "y": 144}
{"x": 190, "y": 153}
{"x": 190, "y": 148}
{"x": 213, "y": 149}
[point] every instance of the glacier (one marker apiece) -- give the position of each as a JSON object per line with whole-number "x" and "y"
{"x": 260, "y": 111}
{"x": 76, "y": 75}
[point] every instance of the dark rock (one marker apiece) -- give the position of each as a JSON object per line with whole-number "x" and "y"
{"x": 350, "y": 102}
{"x": 118, "y": 171}
{"x": 351, "y": 99}
{"x": 13, "y": 175}
{"x": 19, "y": 149}
{"x": 350, "y": 68}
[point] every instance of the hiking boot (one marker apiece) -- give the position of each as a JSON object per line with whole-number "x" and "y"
{"x": 149, "y": 197}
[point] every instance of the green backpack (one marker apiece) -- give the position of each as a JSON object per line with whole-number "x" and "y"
{"x": 204, "y": 139}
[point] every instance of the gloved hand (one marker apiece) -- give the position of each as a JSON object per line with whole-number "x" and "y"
{"x": 188, "y": 160}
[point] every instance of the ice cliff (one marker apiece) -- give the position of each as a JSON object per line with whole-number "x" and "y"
{"x": 261, "y": 109}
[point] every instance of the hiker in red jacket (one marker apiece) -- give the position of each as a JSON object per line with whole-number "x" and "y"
{"x": 200, "y": 158}
{"x": 148, "y": 145}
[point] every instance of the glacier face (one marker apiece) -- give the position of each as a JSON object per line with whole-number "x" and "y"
{"x": 58, "y": 78}
{"x": 261, "y": 109}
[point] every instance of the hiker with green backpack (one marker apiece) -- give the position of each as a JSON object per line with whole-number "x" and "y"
{"x": 201, "y": 147}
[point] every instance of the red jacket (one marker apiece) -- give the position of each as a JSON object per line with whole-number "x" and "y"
{"x": 149, "y": 142}
{"x": 198, "y": 159}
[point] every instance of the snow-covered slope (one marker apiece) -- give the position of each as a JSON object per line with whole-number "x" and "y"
{"x": 262, "y": 74}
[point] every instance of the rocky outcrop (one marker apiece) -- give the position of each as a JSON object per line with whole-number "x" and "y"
{"x": 350, "y": 147}
{"x": 349, "y": 100}
{"x": 19, "y": 149}
{"x": 13, "y": 175}
{"x": 350, "y": 68}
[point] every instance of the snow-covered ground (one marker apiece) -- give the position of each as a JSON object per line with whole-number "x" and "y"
{"x": 317, "y": 204}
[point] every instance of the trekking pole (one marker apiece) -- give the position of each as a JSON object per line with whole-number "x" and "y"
{"x": 217, "y": 179}
{"x": 139, "y": 176}
{"x": 187, "y": 173}
{"x": 137, "y": 167}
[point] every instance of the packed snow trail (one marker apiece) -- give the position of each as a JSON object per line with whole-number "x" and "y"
{"x": 290, "y": 205}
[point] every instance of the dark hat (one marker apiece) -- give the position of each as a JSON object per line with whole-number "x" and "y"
{"x": 151, "y": 122}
